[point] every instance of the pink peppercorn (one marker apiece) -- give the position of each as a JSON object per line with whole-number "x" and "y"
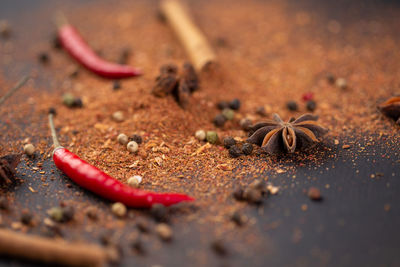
{"x": 307, "y": 96}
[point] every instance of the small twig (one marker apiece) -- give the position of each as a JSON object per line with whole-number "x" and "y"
{"x": 192, "y": 38}
{"x": 14, "y": 89}
{"x": 51, "y": 251}
{"x": 53, "y": 132}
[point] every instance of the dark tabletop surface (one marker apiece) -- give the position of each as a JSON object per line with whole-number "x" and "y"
{"x": 357, "y": 223}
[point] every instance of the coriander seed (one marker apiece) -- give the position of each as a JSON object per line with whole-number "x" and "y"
{"x": 164, "y": 231}
{"x": 134, "y": 181}
{"x": 132, "y": 147}
{"x": 122, "y": 139}
{"x": 68, "y": 99}
{"x": 200, "y": 135}
{"x": 341, "y": 83}
{"x": 119, "y": 209}
{"x": 29, "y": 150}
{"x": 118, "y": 116}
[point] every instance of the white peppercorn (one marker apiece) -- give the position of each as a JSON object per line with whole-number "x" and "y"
{"x": 29, "y": 149}
{"x": 119, "y": 209}
{"x": 122, "y": 139}
{"x": 132, "y": 147}
{"x": 134, "y": 181}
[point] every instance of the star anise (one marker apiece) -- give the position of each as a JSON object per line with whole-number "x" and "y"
{"x": 275, "y": 136}
{"x": 8, "y": 164}
{"x": 391, "y": 108}
{"x": 180, "y": 86}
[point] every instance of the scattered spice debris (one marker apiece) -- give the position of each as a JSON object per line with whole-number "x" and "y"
{"x": 8, "y": 164}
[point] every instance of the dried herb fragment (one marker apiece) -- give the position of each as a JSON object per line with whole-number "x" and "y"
{"x": 276, "y": 136}
{"x": 8, "y": 164}
{"x": 391, "y": 108}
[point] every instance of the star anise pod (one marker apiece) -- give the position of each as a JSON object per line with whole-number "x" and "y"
{"x": 391, "y": 108}
{"x": 8, "y": 164}
{"x": 180, "y": 86}
{"x": 167, "y": 81}
{"x": 275, "y": 136}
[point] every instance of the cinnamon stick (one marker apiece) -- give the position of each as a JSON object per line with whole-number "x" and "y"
{"x": 193, "y": 40}
{"x": 51, "y": 251}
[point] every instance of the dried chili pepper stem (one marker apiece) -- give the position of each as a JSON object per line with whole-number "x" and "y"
{"x": 100, "y": 183}
{"x": 14, "y": 89}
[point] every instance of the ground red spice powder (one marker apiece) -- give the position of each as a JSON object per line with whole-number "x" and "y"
{"x": 258, "y": 63}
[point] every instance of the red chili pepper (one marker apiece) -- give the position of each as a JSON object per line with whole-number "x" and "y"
{"x": 100, "y": 183}
{"x": 80, "y": 50}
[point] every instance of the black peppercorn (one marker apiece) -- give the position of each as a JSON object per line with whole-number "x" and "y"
{"x": 219, "y": 120}
{"x": 56, "y": 42}
{"x": 138, "y": 246}
{"x": 78, "y": 103}
{"x": 223, "y": 105}
{"x": 234, "y": 104}
{"x": 137, "y": 138}
{"x": 53, "y": 111}
{"x": 238, "y": 218}
{"x": 26, "y": 217}
{"x": 247, "y": 148}
{"x": 219, "y": 247}
{"x": 43, "y": 57}
{"x": 330, "y": 78}
{"x": 234, "y": 151}
{"x": 116, "y": 85}
{"x": 261, "y": 111}
{"x": 142, "y": 225}
{"x": 229, "y": 141}
{"x": 311, "y": 105}
{"x": 238, "y": 194}
{"x": 292, "y": 105}
{"x": 4, "y": 203}
{"x": 159, "y": 212}
{"x": 68, "y": 213}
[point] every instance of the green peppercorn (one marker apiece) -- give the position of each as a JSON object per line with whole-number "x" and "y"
{"x": 68, "y": 99}
{"x": 212, "y": 137}
{"x": 228, "y": 114}
{"x": 56, "y": 214}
